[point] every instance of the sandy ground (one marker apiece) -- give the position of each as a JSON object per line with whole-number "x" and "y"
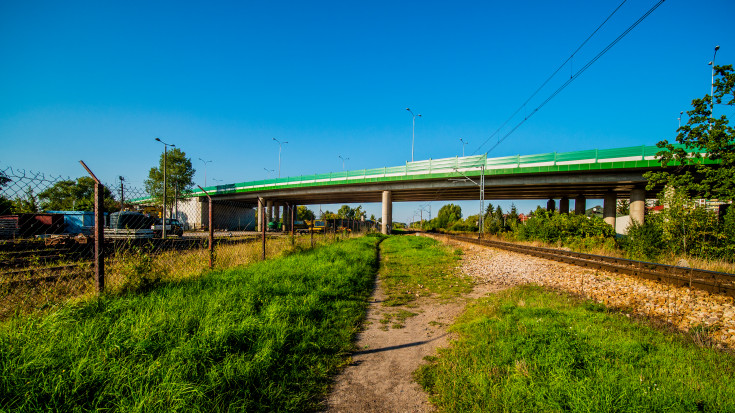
{"x": 379, "y": 379}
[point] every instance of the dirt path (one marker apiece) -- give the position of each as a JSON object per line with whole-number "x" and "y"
{"x": 379, "y": 379}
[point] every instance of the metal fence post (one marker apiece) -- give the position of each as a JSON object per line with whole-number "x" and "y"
{"x": 261, "y": 201}
{"x": 99, "y": 232}
{"x": 211, "y": 229}
{"x": 292, "y": 231}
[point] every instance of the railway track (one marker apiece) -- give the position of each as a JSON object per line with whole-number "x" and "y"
{"x": 711, "y": 281}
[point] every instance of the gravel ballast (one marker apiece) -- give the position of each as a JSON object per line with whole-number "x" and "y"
{"x": 684, "y": 308}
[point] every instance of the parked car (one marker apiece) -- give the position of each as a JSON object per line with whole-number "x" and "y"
{"x": 173, "y": 227}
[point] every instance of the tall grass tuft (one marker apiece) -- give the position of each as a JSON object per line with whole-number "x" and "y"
{"x": 265, "y": 337}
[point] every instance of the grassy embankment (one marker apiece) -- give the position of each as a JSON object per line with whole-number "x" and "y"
{"x": 414, "y": 267}
{"x": 265, "y": 337}
{"x": 526, "y": 349}
{"x": 133, "y": 269}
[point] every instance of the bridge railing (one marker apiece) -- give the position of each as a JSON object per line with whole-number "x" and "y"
{"x": 469, "y": 164}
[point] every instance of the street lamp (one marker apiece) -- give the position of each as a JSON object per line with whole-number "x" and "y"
{"x": 712, "y": 87}
{"x": 680, "y": 113}
{"x": 463, "y": 145}
{"x": 163, "y": 212}
{"x": 269, "y": 170}
{"x": 413, "y": 129}
{"x": 279, "y": 155}
{"x": 205, "y": 171}
{"x": 343, "y": 161}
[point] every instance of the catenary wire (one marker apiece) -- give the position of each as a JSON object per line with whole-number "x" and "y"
{"x": 570, "y": 80}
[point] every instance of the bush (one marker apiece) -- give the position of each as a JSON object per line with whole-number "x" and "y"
{"x": 644, "y": 241}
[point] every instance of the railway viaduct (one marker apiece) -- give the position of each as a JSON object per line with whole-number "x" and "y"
{"x": 608, "y": 174}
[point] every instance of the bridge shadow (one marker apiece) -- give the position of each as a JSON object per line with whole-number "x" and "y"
{"x": 398, "y": 347}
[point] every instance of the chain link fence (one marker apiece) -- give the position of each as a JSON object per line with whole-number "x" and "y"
{"x": 47, "y": 238}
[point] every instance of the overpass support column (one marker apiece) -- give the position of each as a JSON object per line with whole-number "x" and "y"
{"x": 551, "y": 205}
{"x": 608, "y": 208}
{"x": 268, "y": 212}
{"x": 637, "y": 205}
{"x": 387, "y": 212}
{"x": 261, "y": 211}
{"x": 580, "y": 204}
{"x": 564, "y": 205}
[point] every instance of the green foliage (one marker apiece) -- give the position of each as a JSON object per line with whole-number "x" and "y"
{"x": 268, "y": 337}
{"x": 68, "y": 195}
{"x": 179, "y": 176}
{"x": 26, "y": 204}
{"x": 622, "y": 207}
{"x": 687, "y": 228}
{"x": 448, "y": 215}
{"x": 706, "y": 133}
{"x": 304, "y": 214}
{"x": 645, "y": 241}
{"x": 553, "y": 227}
{"x": 6, "y": 205}
{"x": 526, "y": 349}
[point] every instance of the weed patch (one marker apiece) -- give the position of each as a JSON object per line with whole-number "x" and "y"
{"x": 416, "y": 267}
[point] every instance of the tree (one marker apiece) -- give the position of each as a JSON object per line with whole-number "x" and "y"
{"x": 345, "y": 212}
{"x": 5, "y": 204}
{"x": 179, "y": 177}
{"x": 448, "y": 214}
{"x": 68, "y": 195}
{"x": 304, "y": 214}
{"x": 623, "y": 207}
{"x": 707, "y": 134}
{"x": 27, "y": 204}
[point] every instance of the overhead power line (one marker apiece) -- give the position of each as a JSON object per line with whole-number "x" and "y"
{"x": 550, "y": 77}
{"x": 570, "y": 80}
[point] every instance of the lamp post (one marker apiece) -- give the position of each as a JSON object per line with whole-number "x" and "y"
{"x": 463, "y": 145}
{"x": 163, "y": 211}
{"x": 680, "y": 113}
{"x": 279, "y": 155}
{"x": 712, "y": 87}
{"x": 122, "y": 194}
{"x": 269, "y": 171}
{"x": 413, "y": 129}
{"x": 343, "y": 161}
{"x": 205, "y": 171}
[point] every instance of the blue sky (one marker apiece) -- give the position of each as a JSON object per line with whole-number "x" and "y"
{"x": 98, "y": 81}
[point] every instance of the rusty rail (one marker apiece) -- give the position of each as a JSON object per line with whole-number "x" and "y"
{"x": 711, "y": 281}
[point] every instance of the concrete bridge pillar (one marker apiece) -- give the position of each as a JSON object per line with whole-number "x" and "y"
{"x": 551, "y": 205}
{"x": 277, "y": 212}
{"x": 564, "y": 205}
{"x": 608, "y": 208}
{"x": 268, "y": 212}
{"x": 387, "y": 213}
{"x": 637, "y": 205}
{"x": 260, "y": 211}
{"x": 580, "y": 204}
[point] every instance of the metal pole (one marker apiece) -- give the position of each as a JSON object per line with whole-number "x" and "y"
{"x": 122, "y": 194}
{"x": 292, "y": 231}
{"x": 211, "y": 233}
{"x": 263, "y": 224}
{"x": 413, "y": 129}
{"x": 163, "y": 220}
{"x": 99, "y": 232}
{"x": 712, "y": 88}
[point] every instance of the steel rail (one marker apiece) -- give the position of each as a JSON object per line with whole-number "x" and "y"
{"x": 711, "y": 281}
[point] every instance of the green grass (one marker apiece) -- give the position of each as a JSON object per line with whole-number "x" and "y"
{"x": 414, "y": 267}
{"x": 530, "y": 350}
{"x": 263, "y": 338}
